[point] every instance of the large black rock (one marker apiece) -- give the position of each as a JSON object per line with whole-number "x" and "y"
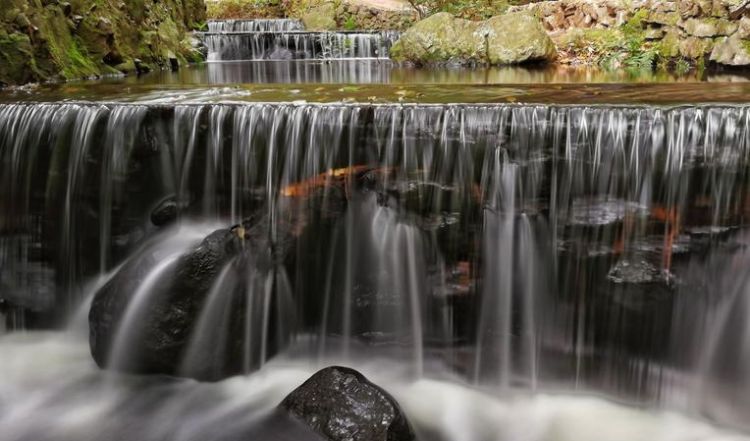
{"x": 165, "y": 330}
{"x": 341, "y": 404}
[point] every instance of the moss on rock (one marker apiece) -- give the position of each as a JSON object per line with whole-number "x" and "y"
{"x": 320, "y": 17}
{"x": 507, "y": 39}
{"x": 89, "y": 38}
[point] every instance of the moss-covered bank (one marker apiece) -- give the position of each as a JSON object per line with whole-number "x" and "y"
{"x": 68, "y": 39}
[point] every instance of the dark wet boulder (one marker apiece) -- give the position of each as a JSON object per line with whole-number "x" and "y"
{"x": 164, "y": 330}
{"x": 203, "y": 306}
{"x": 341, "y": 404}
{"x": 165, "y": 212}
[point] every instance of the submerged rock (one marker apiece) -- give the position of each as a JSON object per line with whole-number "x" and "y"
{"x": 506, "y": 39}
{"x": 341, "y": 404}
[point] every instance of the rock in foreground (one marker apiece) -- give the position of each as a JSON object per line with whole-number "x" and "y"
{"x": 505, "y": 39}
{"x": 341, "y": 404}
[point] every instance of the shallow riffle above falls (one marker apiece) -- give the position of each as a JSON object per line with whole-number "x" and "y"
{"x": 513, "y": 248}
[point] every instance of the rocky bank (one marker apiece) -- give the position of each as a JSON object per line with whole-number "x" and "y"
{"x": 647, "y": 33}
{"x": 70, "y": 39}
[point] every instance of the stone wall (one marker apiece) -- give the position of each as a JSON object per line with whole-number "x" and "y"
{"x": 700, "y": 31}
{"x": 69, "y": 39}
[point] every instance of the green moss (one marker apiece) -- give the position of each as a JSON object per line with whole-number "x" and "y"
{"x": 17, "y": 59}
{"x": 110, "y": 32}
{"x": 636, "y": 23}
{"x": 245, "y": 9}
{"x": 77, "y": 64}
{"x": 669, "y": 46}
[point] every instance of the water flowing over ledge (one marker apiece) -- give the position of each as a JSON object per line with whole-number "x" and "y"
{"x": 518, "y": 247}
{"x": 257, "y": 25}
{"x": 293, "y": 45}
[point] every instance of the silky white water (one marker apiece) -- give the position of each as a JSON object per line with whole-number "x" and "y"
{"x": 51, "y": 389}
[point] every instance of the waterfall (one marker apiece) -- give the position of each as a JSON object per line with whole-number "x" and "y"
{"x": 257, "y": 25}
{"x": 591, "y": 248}
{"x": 245, "y": 40}
{"x": 292, "y": 45}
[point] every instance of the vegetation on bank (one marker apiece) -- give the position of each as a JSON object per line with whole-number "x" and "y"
{"x": 71, "y": 39}
{"x": 244, "y": 9}
{"x": 467, "y": 9}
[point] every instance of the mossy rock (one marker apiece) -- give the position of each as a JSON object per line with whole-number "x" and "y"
{"x": 731, "y": 51}
{"x": 85, "y": 38}
{"x": 517, "y": 38}
{"x": 17, "y": 59}
{"x": 320, "y": 18}
{"x": 506, "y": 39}
{"x": 709, "y": 27}
{"x": 441, "y": 38}
{"x": 694, "y": 47}
{"x": 664, "y": 18}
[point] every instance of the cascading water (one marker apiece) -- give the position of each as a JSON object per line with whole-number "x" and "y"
{"x": 293, "y": 45}
{"x": 250, "y": 40}
{"x": 516, "y": 248}
{"x": 257, "y": 25}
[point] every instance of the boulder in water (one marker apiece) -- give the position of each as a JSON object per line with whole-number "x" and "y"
{"x": 165, "y": 213}
{"x": 341, "y": 404}
{"x": 164, "y": 330}
{"x": 512, "y": 38}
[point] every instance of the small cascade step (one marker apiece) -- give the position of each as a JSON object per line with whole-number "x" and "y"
{"x": 298, "y": 45}
{"x": 259, "y": 25}
{"x": 284, "y": 39}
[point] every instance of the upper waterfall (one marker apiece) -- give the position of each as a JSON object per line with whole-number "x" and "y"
{"x": 287, "y": 40}
{"x": 257, "y": 25}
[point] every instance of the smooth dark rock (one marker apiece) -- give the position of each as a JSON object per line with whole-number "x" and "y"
{"x": 165, "y": 331}
{"x": 165, "y": 213}
{"x": 341, "y": 404}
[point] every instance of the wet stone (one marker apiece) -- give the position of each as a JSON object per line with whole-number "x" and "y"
{"x": 342, "y": 405}
{"x": 165, "y": 213}
{"x": 637, "y": 271}
{"x": 602, "y": 212}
